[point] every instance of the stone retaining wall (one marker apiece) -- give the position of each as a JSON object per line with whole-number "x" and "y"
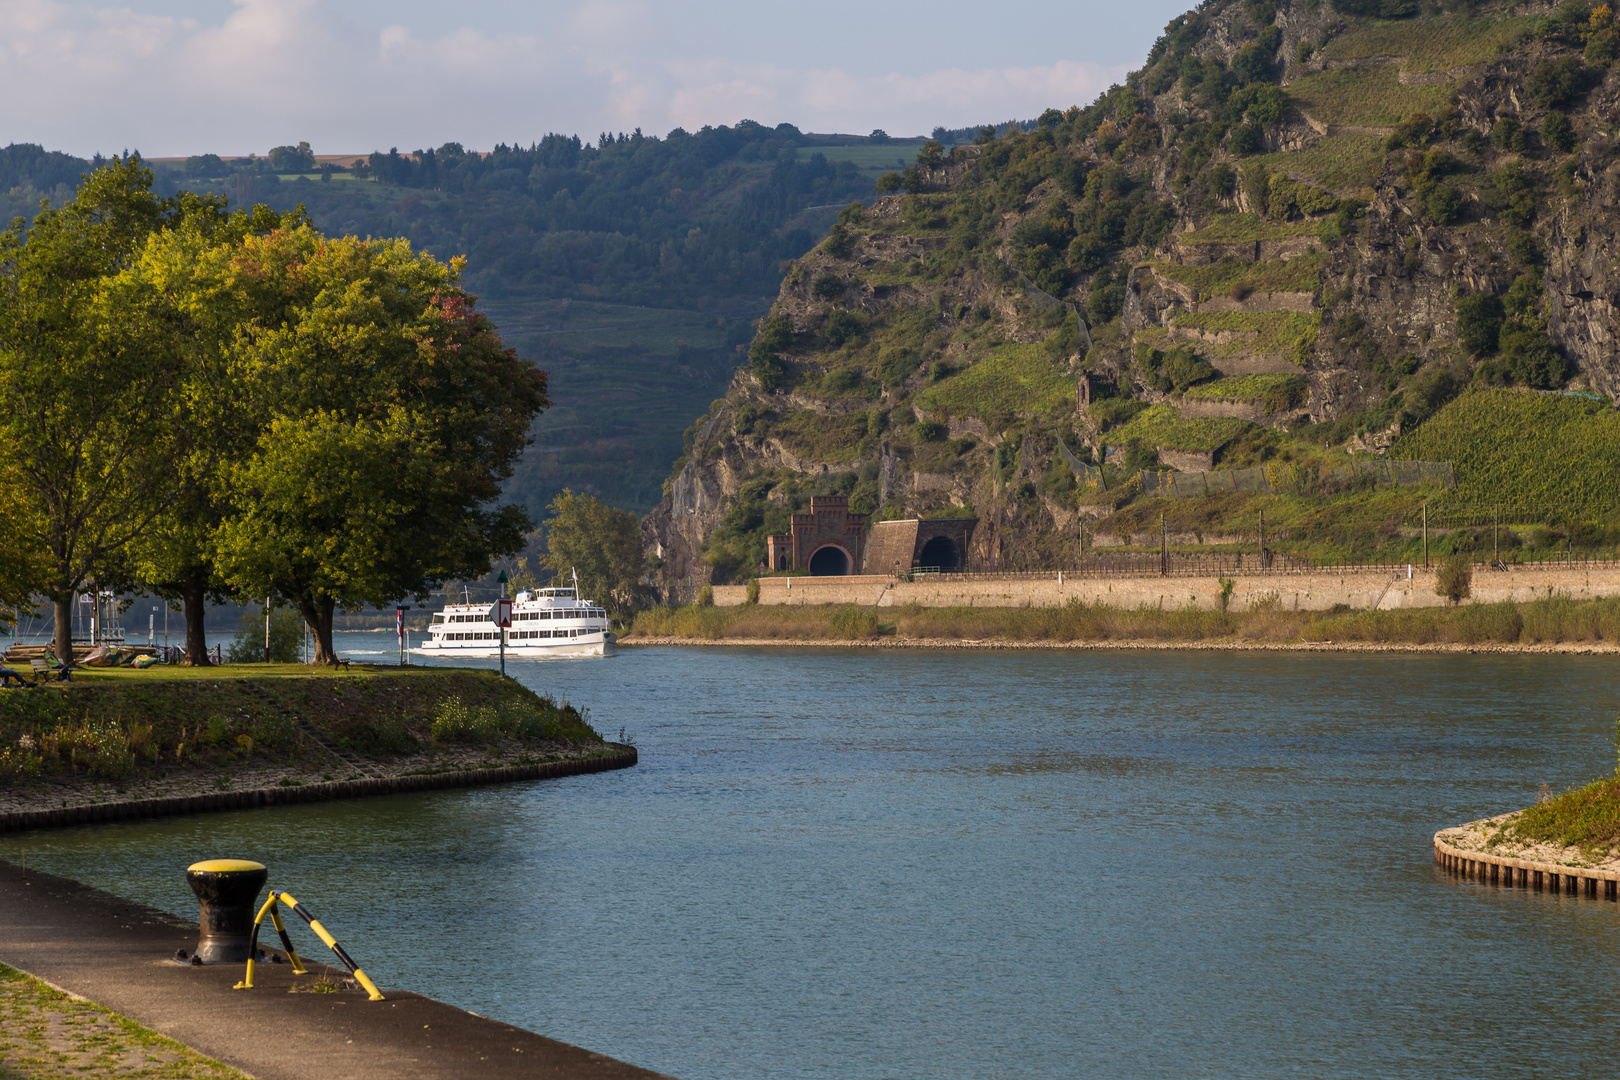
{"x": 1316, "y": 591}
{"x": 285, "y": 796}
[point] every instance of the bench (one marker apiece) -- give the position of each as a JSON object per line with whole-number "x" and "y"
{"x": 44, "y": 669}
{"x": 341, "y": 662}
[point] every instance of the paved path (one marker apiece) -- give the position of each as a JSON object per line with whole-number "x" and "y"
{"x": 118, "y": 954}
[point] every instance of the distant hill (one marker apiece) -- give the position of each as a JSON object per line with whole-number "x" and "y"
{"x": 1289, "y": 239}
{"x": 631, "y": 268}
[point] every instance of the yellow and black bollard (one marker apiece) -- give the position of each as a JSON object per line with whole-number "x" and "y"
{"x": 226, "y": 890}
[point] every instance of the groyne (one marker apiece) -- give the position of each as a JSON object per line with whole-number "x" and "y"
{"x": 253, "y": 798}
{"x": 1316, "y": 590}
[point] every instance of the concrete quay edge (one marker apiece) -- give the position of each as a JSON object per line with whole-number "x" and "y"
{"x": 253, "y": 798}
{"x": 118, "y": 954}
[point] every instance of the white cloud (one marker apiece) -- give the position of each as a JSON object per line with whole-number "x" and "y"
{"x": 273, "y": 71}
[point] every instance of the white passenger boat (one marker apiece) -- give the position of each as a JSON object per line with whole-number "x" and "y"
{"x": 545, "y": 622}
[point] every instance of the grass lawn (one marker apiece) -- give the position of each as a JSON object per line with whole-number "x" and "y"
{"x": 46, "y": 1035}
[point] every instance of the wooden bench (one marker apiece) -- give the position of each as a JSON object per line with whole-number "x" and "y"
{"x": 341, "y": 662}
{"x": 44, "y": 669}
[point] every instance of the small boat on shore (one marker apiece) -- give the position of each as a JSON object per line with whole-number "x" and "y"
{"x": 545, "y": 623}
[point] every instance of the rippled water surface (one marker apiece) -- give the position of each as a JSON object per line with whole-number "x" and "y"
{"x": 850, "y": 863}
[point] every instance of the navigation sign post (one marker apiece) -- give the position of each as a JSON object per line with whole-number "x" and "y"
{"x": 501, "y": 613}
{"x": 399, "y": 631}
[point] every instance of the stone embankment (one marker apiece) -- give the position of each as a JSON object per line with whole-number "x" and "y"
{"x": 1320, "y": 590}
{"x": 87, "y": 813}
{"x": 1483, "y": 851}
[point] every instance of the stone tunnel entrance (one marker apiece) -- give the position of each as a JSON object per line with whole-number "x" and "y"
{"x": 940, "y": 552}
{"x": 829, "y": 561}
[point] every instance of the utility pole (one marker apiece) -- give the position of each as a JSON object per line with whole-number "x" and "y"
{"x": 1496, "y": 517}
{"x": 1164, "y": 547}
{"x": 1262, "y": 539}
{"x": 267, "y": 629}
{"x": 1425, "y": 536}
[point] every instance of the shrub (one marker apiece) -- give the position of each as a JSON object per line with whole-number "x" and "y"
{"x": 1558, "y": 132}
{"x": 705, "y": 596}
{"x": 827, "y": 285}
{"x": 929, "y": 430}
{"x": 764, "y": 355}
{"x": 1530, "y": 357}
{"x": 1508, "y": 135}
{"x": 1555, "y": 82}
{"x": 840, "y": 241}
{"x": 842, "y": 327}
{"x": 1455, "y": 579}
{"x": 286, "y": 638}
{"x": 753, "y": 590}
{"x": 1479, "y": 322}
{"x": 458, "y": 722}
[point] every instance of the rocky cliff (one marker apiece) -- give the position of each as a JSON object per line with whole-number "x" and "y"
{"x": 1296, "y": 232}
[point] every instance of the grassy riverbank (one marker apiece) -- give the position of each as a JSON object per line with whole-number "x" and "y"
{"x": 126, "y": 727}
{"x": 1553, "y": 619}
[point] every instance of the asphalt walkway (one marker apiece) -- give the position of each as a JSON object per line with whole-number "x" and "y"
{"x": 120, "y": 954}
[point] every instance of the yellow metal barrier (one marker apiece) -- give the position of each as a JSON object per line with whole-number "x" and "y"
{"x": 298, "y": 909}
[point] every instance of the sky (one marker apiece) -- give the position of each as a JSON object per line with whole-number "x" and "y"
{"x": 232, "y": 77}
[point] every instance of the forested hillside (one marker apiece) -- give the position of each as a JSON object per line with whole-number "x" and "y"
{"x": 1289, "y": 240}
{"x": 630, "y": 268}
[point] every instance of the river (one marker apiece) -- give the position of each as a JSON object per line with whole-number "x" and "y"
{"x": 849, "y": 863}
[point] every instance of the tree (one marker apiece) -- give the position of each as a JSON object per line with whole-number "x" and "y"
{"x": 390, "y": 413}
{"x": 90, "y": 416}
{"x": 1455, "y": 578}
{"x": 293, "y": 159}
{"x": 602, "y": 545}
{"x": 189, "y": 266}
{"x": 879, "y": 136}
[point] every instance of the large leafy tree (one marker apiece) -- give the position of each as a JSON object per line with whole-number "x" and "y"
{"x": 90, "y": 413}
{"x": 388, "y": 412}
{"x": 189, "y": 268}
{"x": 602, "y": 545}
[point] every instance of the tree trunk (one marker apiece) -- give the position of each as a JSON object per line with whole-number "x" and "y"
{"x": 318, "y": 616}
{"x": 194, "y": 600}
{"x": 63, "y": 603}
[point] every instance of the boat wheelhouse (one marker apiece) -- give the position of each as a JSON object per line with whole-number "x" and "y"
{"x": 545, "y": 622}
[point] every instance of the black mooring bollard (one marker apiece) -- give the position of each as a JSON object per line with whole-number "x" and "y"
{"x": 226, "y": 891}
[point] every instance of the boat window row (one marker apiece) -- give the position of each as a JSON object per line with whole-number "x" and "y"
{"x": 518, "y": 635}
